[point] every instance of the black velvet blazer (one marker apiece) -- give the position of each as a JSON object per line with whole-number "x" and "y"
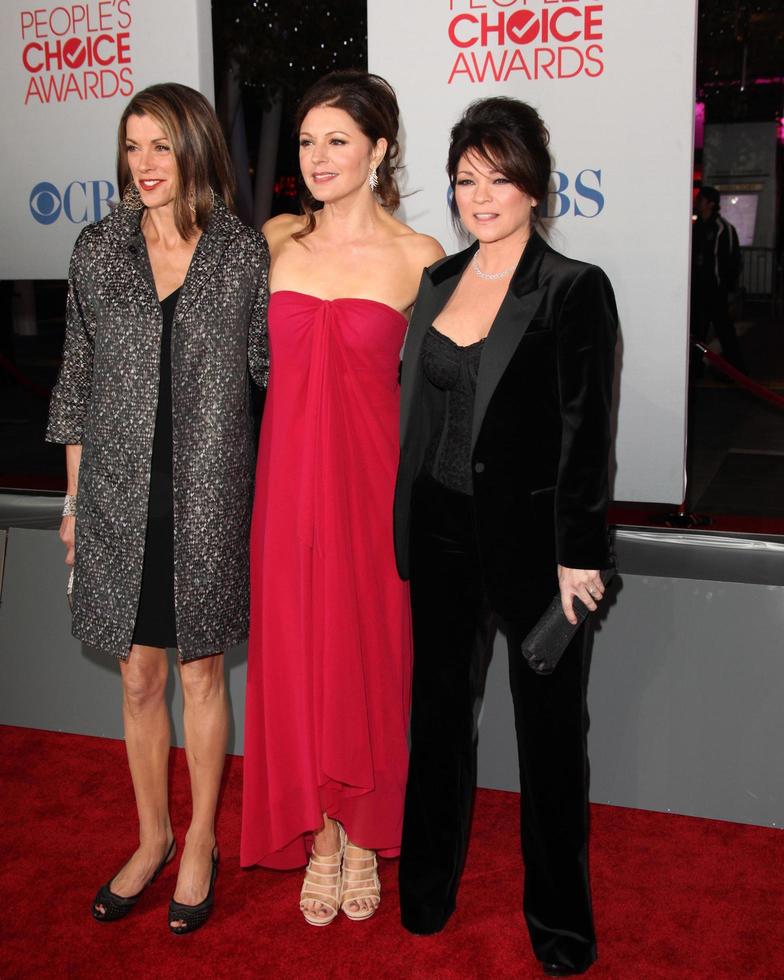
{"x": 541, "y": 426}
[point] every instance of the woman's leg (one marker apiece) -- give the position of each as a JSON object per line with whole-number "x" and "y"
{"x": 452, "y": 623}
{"x": 147, "y": 742}
{"x": 206, "y": 723}
{"x": 551, "y": 718}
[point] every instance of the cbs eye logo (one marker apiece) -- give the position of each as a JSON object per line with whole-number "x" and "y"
{"x": 79, "y": 202}
{"x": 45, "y": 203}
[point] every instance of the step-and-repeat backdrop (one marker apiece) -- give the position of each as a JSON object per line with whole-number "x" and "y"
{"x": 67, "y": 71}
{"x": 614, "y": 81}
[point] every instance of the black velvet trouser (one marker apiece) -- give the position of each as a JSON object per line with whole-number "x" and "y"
{"x": 453, "y": 627}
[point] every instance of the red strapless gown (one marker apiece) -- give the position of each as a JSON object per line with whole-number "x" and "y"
{"x": 329, "y": 655}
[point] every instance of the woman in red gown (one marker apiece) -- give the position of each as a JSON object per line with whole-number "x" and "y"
{"x": 330, "y": 645}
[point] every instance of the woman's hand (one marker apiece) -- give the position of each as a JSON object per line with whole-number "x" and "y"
{"x": 67, "y": 536}
{"x": 73, "y": 460}
{"x": 585, "y": 583}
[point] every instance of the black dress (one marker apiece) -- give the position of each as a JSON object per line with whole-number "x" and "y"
{"x": 156, "y": 625}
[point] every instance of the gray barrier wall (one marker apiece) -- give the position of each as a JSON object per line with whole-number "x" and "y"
{"x": 686, "y": 690}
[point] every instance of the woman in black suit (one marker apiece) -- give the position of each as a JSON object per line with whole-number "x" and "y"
{"x": 501, "y": 500}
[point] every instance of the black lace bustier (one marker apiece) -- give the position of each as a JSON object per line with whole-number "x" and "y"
{"x": 453, "y": 370}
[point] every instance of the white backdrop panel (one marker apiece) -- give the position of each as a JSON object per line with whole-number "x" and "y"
{"x": 66, "y": 73}
{"x": 614, "y": 82}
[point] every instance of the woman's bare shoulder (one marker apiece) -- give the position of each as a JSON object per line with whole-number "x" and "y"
{"x": 422, "y": 249}
{"x": 278, "y": 230}
{"x": 430, "y": 248}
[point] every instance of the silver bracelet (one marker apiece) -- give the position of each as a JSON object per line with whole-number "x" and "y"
{"x": 69, "y": 507}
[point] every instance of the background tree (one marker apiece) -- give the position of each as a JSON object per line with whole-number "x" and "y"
{"x": 266, "y": 54}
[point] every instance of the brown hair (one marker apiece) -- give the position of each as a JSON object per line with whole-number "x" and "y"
{"x": 203, "y": 162}
{"x": 510, "y": 136}
{"x": 372, "y": 104}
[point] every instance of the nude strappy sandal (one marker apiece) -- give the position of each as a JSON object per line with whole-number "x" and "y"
{"x": 363, "y": 883}
{"x": 322, "y": 884}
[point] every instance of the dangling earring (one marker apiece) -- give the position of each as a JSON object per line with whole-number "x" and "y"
{"x": 192, "y": 200}
{"x": 131, "y": 198}
{"x": 373, "y": 179}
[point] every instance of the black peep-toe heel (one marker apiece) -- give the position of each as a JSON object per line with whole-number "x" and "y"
{"x": 194, "y": 916}
{"x": 117, "y": 906}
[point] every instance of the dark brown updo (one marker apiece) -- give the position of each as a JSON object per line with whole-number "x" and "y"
{"x": 372, "y": 104}
{"x": 510, "y": 136}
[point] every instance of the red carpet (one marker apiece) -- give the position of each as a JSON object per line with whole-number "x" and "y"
{"x": 674, "y": 896}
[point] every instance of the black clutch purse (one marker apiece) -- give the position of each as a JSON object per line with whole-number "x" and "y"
{"x": 545, "y": 644}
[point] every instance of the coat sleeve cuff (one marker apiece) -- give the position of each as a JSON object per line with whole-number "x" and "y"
{"x": 588, "y": 552}
{"x": 63, "y": 433}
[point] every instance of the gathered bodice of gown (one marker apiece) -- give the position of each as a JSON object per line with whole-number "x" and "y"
{"x": 336, "y": 383}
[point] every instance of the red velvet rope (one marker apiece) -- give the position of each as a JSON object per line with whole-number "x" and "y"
{"x": 732, "y": 372}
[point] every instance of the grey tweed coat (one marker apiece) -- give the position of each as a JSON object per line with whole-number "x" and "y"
{"x": 106, "y": 399}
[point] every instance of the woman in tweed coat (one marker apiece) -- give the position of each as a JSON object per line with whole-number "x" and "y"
{"x": 172, "y": 245}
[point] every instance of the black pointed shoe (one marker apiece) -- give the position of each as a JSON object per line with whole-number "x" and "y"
{"x": 117, "y": 906}
{"x": 194, "y": 916}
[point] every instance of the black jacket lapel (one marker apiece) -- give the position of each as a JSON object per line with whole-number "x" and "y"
{"x": 514, "y": 315}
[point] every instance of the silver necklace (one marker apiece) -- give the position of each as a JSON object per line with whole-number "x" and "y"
{"x": 490, "y": 275}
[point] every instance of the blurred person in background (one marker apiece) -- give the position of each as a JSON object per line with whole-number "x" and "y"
{"x": 716, "y": 268}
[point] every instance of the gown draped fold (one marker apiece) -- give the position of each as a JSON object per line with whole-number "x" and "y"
{"x": 329, "y": 655}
